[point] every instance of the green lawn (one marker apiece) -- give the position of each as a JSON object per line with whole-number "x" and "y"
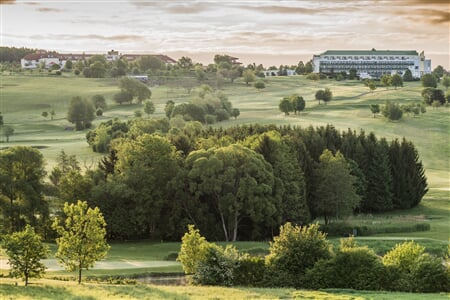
{"x": 24, "y": 97}
{"x": 50, "y": 289}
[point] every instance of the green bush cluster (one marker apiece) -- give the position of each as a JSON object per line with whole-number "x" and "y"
{"x": 301, "y": 257}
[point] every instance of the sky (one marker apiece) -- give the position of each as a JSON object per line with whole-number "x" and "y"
{"x": 271, "y": 32}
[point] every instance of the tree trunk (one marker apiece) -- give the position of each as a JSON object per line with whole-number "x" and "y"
{"x": 79, "y": 274}
{"x": 235, "y": 226}
{"x": 26, "y": 278}
{"x": 225, "y": 231}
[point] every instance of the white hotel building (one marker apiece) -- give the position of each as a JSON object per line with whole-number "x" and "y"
{"x": 372, "y": 63}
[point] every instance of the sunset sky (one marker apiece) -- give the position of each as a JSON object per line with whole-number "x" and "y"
{"x": 269, "y": 32}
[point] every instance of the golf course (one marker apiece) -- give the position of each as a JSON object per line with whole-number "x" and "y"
{"x": 25, "y": 96}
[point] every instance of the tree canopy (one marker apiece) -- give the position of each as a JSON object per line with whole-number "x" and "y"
{"x": 81, "y": 240}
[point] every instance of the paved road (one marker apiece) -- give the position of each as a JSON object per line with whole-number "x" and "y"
{"x": 52, "y": 264}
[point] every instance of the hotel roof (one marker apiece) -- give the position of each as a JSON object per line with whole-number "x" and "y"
{"x": 370, "y": 52}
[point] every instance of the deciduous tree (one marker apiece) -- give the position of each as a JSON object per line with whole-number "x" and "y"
{"x": 298, "y": 103}
{"x": 25, "y": 251}
{"x": 429, "y": 80}
{"x": 285, "y": 106}
{"x": 81, "y": 113}
{"x": 149, "y": 108}
{"x": 81, "y": 240}
{"x": 336, "y": 197}
{"x": 248, "y": 76}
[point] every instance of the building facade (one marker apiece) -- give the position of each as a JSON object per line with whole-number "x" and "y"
{"x": 372, "y": 63}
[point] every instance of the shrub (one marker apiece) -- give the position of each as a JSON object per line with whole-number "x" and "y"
{"x": 352, "y": 267}
{"x": 403, "y": 256}
{"x": 392, "y": 111}
{"x": 259, "y": 85}
{"x": 217, "y": 267}
{"x": 194, "y": 248}
{"x": 76, "y": 72}
{"x": 99, "y": 112}
{"x": 429, "y": 275}
{"x": 250, "y": 271}
{"x": 294, "y": 251}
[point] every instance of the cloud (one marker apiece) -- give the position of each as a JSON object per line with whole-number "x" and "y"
{"x": 436, "y": 16}
{"x": 7, "y": 2}
{"x": 76, "y": 37}
{"x": 48, "y": 9}
{"x": 177, "y": 8}
{"x": 431, "y": 16}
{"x": 275, "y": 9}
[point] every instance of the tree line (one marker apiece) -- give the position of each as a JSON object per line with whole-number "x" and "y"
{"x": 239, "y": 183}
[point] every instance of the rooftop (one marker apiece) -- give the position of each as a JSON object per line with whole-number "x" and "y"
{"x": 370, "y": 52}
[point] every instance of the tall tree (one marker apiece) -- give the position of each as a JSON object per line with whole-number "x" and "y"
{"x": 81, "y": 113}
{"x": 135, "y": 88}
{"x": 429, "y": 80}
{"x": 386, "y": 80}
{"x": 396, "y": 80}
{"x": 248, "y": 76}
{"x": 146, "y": 165}
{"x": 446, "y": 81}
{"x": 336, "y": 196}
{"x": 409, "y": 183}
{"x": 373, "y": 159}
{"x": 375, "y": 109}
{"x": 21, "y": 184}
{"x": 81, "y": 240}
{"x": 7, "y": 131}
{"x": 25, "y": 251}
{"x": 408, "y": 75}
{"x": 236, "y": 180}
{"x": 149, "y": 108}
{"x": 298, "y": 103}
{"x": 285, "y": 105}
{"x": 99, "y": 101}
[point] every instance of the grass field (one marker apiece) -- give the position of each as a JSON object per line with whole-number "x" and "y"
{"x": 51, "y": 289}
{"x": 23, "y": 98}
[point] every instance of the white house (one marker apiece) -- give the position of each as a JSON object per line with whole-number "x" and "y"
{"x": 372, "y": 63}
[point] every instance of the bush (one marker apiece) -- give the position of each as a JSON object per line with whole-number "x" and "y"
{"x": 403, "y": 256}
{"x": 99, "y": 112}
{"x": 76, "y": 72}
{"x": 353, "y": 267}
{"x": 250, "y": 271}
{"x": 194, "y": 249}
{"x": 294, "y": 251}
{"x": 392, "y": 111}
{"x": 58, "y": 73}
{"x": 429, "y": 275}
{"x": 259, "y": 85}
{"x": 218, "y": 266}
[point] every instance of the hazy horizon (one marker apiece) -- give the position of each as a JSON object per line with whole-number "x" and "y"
{"x": 268, "y": 32}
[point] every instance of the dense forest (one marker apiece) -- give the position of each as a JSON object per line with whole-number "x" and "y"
{"x": 238, "y": 183}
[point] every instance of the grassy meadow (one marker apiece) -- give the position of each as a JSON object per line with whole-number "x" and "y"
{"x": 24, "y": 97}
{"x": 51, "y": 289}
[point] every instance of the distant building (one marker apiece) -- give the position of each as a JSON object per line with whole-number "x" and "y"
{"x": 44, "y": 59}
{"x": 372, "y": 63}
